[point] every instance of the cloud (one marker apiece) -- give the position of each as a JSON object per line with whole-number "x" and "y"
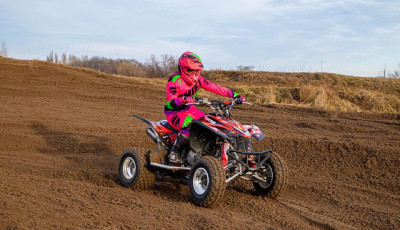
{"x": 386, "y": 30}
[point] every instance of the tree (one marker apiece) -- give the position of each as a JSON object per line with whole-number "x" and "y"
{"x": 153, "y": 67}
{"x": 395, "y": 74}
{"x": 169, "y": 64}
{"x": 128, "y": 68}
{"x": 3, "y": 51}
{"x": 161, "y": 68}
{"x": 50, "y": 57}
{"x": 64, "y": 58}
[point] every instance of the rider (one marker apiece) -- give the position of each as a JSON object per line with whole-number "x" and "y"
{"x": 182, "y": 88}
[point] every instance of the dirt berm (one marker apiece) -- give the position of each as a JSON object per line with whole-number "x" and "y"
{"x": 62, "y": 130}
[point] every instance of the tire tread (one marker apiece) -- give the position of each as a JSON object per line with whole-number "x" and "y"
{"x": 218, "y": 182}
{"x": 281, "y": 178}
{"x": 146, "y": 177}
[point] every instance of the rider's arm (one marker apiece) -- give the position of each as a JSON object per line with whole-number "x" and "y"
{"x": 217, "y": 89}
{"x": 173, "y": 99}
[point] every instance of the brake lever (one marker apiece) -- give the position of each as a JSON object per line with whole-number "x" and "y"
{"x": 234, "y": 102}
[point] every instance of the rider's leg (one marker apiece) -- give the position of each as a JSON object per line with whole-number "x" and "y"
{"x": 181, "y": 141}
{"x": 181, "y": 121}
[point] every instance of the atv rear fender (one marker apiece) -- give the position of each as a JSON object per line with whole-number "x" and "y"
{"x": 152, "y": 132}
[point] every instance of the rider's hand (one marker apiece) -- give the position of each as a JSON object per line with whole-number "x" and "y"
{"x": 188, "y": 100}
{"x": 240, "y": 99}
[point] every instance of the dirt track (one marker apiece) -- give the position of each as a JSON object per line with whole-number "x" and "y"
{"x": 62, "y": 130}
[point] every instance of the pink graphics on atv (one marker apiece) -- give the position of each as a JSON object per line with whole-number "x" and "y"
{"x": 220, "y": 150}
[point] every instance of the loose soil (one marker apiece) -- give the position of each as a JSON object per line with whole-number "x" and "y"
{"x": 62, "y": 131}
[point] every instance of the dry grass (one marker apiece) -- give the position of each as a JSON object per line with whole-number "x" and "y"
{"x": 318, "y": 90}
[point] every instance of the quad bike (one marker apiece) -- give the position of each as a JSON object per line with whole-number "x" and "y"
{"x": 219, "y": 151}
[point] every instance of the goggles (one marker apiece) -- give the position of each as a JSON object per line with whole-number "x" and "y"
{"x": 192, "y": 71}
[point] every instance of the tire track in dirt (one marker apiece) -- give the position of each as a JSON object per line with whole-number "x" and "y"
{"x": 321, "y": 221}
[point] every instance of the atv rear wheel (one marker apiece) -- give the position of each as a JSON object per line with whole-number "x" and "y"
{"x": 133, "y": 169}
{"x": 207, "y": 181}
{"x": 275, "y": 172}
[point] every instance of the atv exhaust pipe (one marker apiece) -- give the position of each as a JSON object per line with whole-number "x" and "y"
{"x": 155, "y": 137}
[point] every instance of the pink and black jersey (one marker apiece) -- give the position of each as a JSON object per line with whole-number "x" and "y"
{"x": 177, "y": 87}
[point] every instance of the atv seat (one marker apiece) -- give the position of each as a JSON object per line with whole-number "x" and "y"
{"x": 168, "y": 126}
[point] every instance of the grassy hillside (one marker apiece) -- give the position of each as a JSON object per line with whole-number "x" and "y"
{"x": 317, "y": 90}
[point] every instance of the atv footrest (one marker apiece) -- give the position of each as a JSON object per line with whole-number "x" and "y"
{"x": 169, "y": 167}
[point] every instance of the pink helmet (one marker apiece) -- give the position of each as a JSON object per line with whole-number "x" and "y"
{"x": 190, "y": 66}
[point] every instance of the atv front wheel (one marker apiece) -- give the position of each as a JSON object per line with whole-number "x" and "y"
{"x": 275, "y": 173}
{"x": 133, "y": 169}
{"x": 207, "y": 181}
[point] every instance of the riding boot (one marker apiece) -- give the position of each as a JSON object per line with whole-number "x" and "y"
{"x": 176, "y": 151}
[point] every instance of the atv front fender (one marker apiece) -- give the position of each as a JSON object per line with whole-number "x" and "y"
{"x": 256, "y": 132}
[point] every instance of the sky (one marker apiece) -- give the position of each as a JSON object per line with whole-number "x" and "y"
{"x": 351, "y": 37}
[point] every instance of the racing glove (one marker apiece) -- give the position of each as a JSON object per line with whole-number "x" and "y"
{"x": 240, "y": 99}
{"x": 186, "y": 100}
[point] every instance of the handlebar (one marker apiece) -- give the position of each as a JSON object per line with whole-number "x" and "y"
{"x": 223, "y": 108}
{"x": 217, "y": 103}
